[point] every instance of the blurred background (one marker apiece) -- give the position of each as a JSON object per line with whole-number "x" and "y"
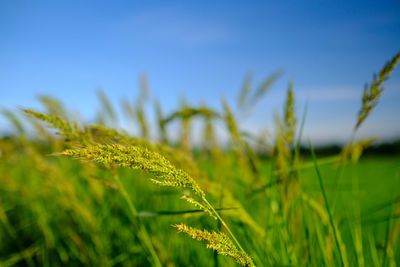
{"x": 202, "y": 50}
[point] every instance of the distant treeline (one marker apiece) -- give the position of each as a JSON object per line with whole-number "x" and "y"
{"x": 381, "y": 149}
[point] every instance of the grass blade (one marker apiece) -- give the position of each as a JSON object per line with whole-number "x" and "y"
{"x": 326, "y": 203}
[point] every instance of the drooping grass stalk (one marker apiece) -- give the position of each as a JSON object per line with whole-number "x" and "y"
{"x": 246, "y": 86}
{"x": 264, "y": 87}
{"x": 326, "y": 203}
{"x": 370, "y": 99}
{"x": 219, "y": 242}
{"x": 372, "y": 93}
{"x": 14, "y": 120}
{"x": 166, "y": 174}
{"x": 186, "y": 114}
{"x": 224, "y": 224}
{"x": 53, "y": 105}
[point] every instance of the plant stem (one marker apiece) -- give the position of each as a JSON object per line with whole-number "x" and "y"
{"x": 224, "y": 224}
{"x": 326, "y": 203}
{"x": 339, "y": 172}
{"x": 142, "y": 231}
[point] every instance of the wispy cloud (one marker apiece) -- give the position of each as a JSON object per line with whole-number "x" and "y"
{"x": 329, "y": 94}
{"x": 173, "y": 26}
{"x": 334, "y": 93}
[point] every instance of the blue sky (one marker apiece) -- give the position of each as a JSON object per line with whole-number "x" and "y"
{"x": 201, "y": 50}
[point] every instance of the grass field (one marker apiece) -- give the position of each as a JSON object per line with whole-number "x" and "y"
{"x": 81, "y": 194}
{"x": 48, "y": 215}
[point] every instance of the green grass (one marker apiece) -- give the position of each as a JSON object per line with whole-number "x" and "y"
{"x": 73, "y": 194}
{"x": 48, "y": 224}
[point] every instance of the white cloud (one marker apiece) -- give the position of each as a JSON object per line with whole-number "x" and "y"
{"x": 334, "y": 93}
{"x": 341, "y": 93}
{"x": 175, "y": 27}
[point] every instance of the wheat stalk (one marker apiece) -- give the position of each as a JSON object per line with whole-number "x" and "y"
{"x": 219, "y": 242}
{"x": 138, "y": 158}
{"x": 371, "y": 95}
{"x": 165, "y": 174}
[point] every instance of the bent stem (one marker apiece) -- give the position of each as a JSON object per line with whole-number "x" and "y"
{"x": 224, "y": 224}
{"x": 142, "y": 231}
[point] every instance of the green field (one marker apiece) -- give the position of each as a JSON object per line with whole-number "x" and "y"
{"x": 78, "y": 194}
{"x": 57, "y": 211}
